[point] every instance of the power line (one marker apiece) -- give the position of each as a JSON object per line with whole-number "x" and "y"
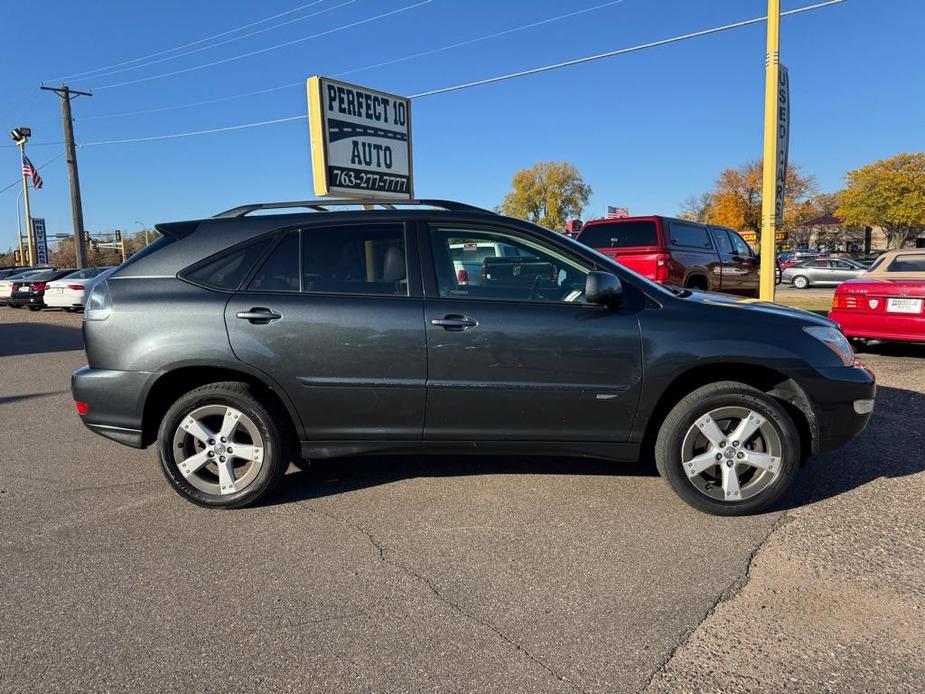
{"x": 226, "y": 41}
{"x": 40, "y": 166}
{"x": 268, "y": 48}
{"x": 621, "y": 51}
{"x": 185, "y": 45}
{"x": 490, "y": 80}
{"x": 355, "y": 70}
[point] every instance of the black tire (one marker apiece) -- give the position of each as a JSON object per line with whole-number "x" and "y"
{"x": 34, "y": 308}
{"x": 668, "y": 454}
{"x": 270, "y": 423}
{"x": 800, "y": 282}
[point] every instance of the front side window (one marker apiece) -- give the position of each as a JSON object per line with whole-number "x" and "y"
{"x": 690, "y": 235}
{"x": 741, "y": 247}
{"x": 362, "y": 259}
{"x": 722, "y": 241}
{"x": 504, "y": 265}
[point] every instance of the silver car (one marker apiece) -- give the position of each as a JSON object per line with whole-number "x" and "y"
{"x": 821, "y": 272}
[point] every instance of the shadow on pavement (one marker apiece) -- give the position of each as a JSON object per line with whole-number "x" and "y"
{"x": 7, "y": 399}
{"x": 891, "y": 446}
{"x": 339, "y": 475}
{"x": 889, "y": 349}
{"x": 38, "y": 338}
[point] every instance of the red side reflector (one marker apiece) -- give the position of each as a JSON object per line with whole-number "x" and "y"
{"x": 82, "y": 408}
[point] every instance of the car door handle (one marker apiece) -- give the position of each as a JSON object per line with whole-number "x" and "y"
{"x": 455, "y": 323}
{"x": 259, "y": 315}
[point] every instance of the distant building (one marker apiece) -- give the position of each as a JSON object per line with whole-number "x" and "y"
{"x": 829, "y": 233}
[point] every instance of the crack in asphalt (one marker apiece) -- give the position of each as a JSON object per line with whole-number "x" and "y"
{"x": 381, "y": 549}
{"x": 727, "y": 594}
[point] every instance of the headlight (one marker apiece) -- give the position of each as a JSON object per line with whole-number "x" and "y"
{"x": 835, "y": 340}
{"x": 99, "y": 303}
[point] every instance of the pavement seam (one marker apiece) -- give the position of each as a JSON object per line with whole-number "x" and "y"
{"x": 728, "y": 593}
{"x": 420, "y": 578}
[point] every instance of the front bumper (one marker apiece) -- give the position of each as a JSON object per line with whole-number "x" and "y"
{"x": 833, "y": 393}
{"x": 115, "y": 402}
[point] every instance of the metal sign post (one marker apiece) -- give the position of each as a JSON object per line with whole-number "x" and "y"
{"x": 361, "y": 141}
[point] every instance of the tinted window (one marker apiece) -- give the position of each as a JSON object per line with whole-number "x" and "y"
{"x": 355, "y": 260}
{"x": 690, "y": 235}
{"x": 279, "y": 272}
{"x": 844, "y": 265}
{"x": 907, "y": 263}
{"x": 228, "y": 270}
{"x": 816, "y": 263}
{"x": 86, "y": 273}
{"x": 722, "y": 241}
{"x": 535, "y": 272}
{"x": 738, "y": 242}
{"x": 619, "y": 235}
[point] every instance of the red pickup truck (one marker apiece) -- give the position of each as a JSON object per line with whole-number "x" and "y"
{"x": 677, "y": 252}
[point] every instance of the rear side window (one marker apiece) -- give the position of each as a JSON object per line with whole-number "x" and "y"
{"x": 722, "y": 241}
{"x": 689, "y": 235}
{"x": 363, "y": 259}
{"x": 620, "y": 235}
{"x": 229, "y": 269}
{"x": 907, "y": 263}
{"x": 279, "y": 272}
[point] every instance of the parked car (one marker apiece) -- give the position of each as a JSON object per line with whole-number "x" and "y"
{"x": 797, "y": 257}
{"x": 10, "y": 271}
{"x": 6, "y": 284}
{"x": 70, "y": 291}
{"x": 821, "y": 272}
{"x": 238, "y": 343}
{"x": 30, "y": 290}
{"x": 677, "y": 252}
{"x": 887, "y": 303}
{"x": 469, "y": 256}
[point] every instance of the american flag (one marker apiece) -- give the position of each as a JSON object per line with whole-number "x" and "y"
{"x": 29, "y": 170}
{"x": 617, "y": 212}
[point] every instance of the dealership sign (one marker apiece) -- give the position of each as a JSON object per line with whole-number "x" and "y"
{"x": 783, "y": 141}
{"x": 361, "y": 141}
{"x": 41, "y": 240}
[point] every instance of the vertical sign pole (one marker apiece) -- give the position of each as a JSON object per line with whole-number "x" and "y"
{"x": 25, "y": 200}
{"x": 769, "y": 173}
{"x": 22, "y": 253}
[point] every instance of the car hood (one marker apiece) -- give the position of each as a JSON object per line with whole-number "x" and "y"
{"x": 757, "y": 307}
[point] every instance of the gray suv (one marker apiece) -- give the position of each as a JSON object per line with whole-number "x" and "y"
{"x": 244, "y": 342}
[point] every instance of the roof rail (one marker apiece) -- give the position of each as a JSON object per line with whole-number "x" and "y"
{"x": 323, "y": 205}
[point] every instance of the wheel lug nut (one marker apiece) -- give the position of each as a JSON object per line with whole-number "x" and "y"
{"x": 735, "y": 443}
{"x": 221, "y": 459}
{"x": 224, "y": 439}
{"x": 740, "y": 455}
{"x": 211, "y": 442}
{"x": 719, "y": 456}
{"x": 211, "y": 454}
{"x": 230, "y": 449}
{"x": 722, "y": 444}
{"x": 729, "y": 463}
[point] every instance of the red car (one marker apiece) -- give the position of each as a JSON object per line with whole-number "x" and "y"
{"x": 886, "y": 303}
{"x": 677, "y": 252}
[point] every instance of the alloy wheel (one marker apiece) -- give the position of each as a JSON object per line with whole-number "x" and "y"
{"x": 218, "y": 449}
{"x": 731, "y": 453}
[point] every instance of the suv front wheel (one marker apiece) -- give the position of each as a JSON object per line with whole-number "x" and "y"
{"x": 728, "y": 449}
{"x": 220, "y": 446}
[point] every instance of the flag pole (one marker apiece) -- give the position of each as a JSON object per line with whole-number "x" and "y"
{"x": 25, "y": 198}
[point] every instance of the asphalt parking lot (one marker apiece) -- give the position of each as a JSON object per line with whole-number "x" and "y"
{"x": 449, "y": 573}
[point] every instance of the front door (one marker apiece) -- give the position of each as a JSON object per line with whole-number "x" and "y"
{"x": 521, "y": 356}
{"x": 338, "y": 324}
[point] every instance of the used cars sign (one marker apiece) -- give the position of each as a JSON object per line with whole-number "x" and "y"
{"x": 361, "y": 141}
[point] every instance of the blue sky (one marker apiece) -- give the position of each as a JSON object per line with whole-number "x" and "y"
{"x": 646, "y": 129}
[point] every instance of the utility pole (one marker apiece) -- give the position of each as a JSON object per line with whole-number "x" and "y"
{"x": 77, "y": 212}
{"x": 776, "y": 139}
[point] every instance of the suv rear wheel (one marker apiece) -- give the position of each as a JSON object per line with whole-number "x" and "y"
{"x": 728, "y": 449}
{"x": 220, "y": 446}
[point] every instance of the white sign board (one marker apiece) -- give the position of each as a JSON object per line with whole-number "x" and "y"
{"x": 361, "y": 141}
{"x": 40, "y": 239}
{"x": 783, "y": 140}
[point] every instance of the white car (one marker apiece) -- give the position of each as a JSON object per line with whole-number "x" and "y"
{"x": 71, "y": 291}
{"x": 6, "y": 285}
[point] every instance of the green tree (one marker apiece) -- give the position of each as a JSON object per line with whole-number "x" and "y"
{"x": 889, "y": 193}
{"x": 547, "y": 193}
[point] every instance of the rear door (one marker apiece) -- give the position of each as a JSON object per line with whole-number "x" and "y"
{"x": 691, "y": 247}
{"x": 525, "y": 358}
{"x": 335, "y": 314}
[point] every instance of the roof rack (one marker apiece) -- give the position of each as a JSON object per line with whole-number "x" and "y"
{"x": 323, "y": 205}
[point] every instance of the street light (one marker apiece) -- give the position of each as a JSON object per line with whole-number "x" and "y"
{"x": 144, "y": 228}
{"x": 20, "y": 136}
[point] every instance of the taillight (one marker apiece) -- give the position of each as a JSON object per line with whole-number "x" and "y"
{"x": 661, "y": 267}
{"x": 38, "y": 286}
{"x": 845, "y": 302}
{"x": 76, "y": 287}
{"x": 462, "y": 277}
{"x": 16, "y": 286}
{"x": 82, "y": 408}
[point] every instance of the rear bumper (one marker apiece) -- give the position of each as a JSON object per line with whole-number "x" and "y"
{"x": 895, "y": 326}
{"x": 27, "y": 300}
{"x": 115, "y": 402}
{"x": 833, "y": 393}
{"x": 64, "y": 300}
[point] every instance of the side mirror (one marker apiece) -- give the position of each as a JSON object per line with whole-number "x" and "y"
{"x": 603, "y": 288}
